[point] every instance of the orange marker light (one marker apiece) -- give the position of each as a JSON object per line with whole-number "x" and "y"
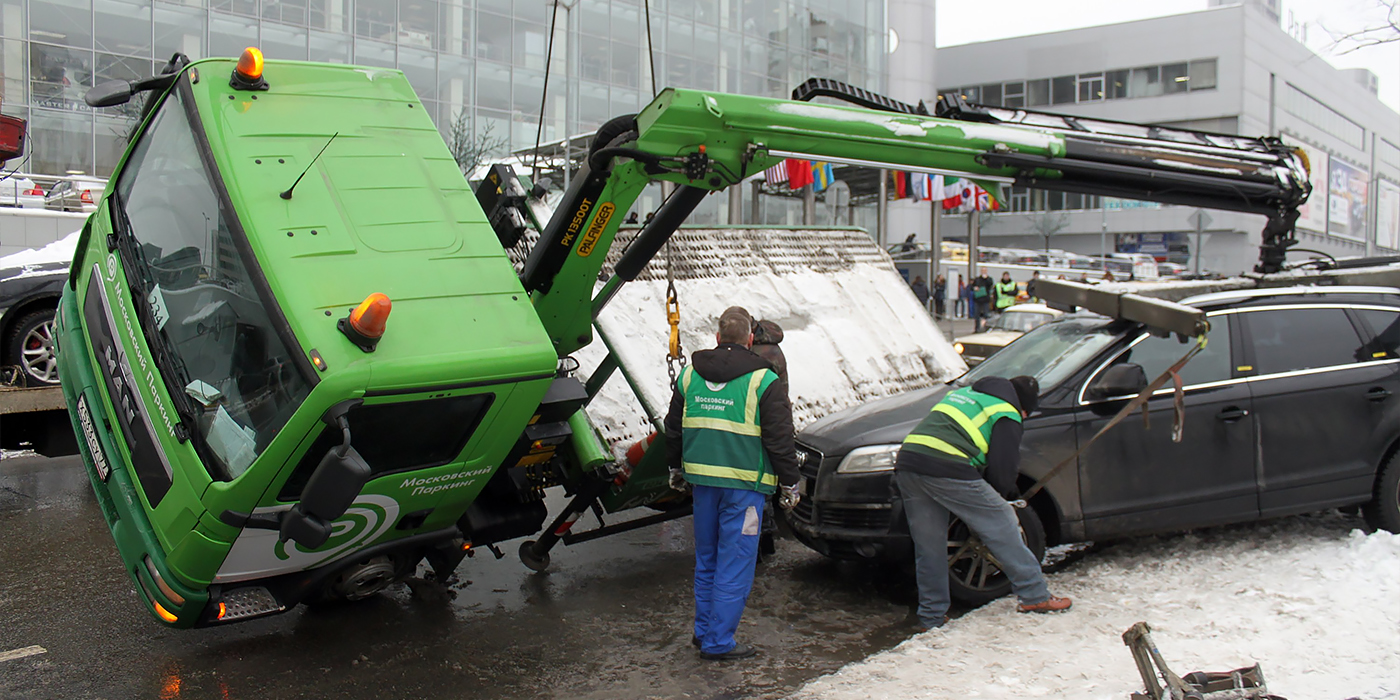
{"x": 250, "y": 64}
{"x": 365, "y": 324}
{"x": 164, "y": 614}
{"x": 223, "y": 610}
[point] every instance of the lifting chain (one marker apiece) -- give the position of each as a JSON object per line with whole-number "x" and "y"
{"x": 675, "y": 356}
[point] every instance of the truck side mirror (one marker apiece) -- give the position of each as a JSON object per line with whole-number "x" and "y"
{"x": 329, "y": 492}
{"x": 1126, "y": 379}
{"x": 110, "y": 94}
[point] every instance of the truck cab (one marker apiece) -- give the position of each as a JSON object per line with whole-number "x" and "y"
{"x": 218, "y": 337}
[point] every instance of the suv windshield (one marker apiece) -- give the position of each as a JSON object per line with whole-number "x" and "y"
{"x": 204, "y": 319}
{"x": 1049, "y": 353}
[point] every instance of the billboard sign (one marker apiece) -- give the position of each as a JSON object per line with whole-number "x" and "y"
{"x": 1312, "y": 216}
{"x": 1346, "y": 202}
{"x": 1388, "y": 215}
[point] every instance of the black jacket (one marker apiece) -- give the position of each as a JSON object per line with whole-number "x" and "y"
{"x": 726, "y": 363}
{"x": 1003, "y": 450}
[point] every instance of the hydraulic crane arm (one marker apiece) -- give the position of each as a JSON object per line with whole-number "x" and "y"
{"x": 707, "y": 141}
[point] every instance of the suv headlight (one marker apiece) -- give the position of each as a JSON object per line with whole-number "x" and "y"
{"x": 866, "y": 460}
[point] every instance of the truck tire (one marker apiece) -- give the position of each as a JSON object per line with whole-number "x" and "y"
{"x": 973, "y": 580}
{"x": 1383, "y": 511}
{"x": 30, "y": 347}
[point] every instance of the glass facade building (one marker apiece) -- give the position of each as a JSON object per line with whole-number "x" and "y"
{"x": 477, "y": 62}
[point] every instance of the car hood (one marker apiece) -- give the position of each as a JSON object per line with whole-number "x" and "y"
{"x": 880, "y": 422}
{"x": 1000, "y": 338}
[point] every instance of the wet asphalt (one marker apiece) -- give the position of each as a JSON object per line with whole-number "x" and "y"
{"x": 611, "y": 619}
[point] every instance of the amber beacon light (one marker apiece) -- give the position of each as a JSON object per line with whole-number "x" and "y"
{"x": 248, "y": 74}
{"x": 365, "y": 324}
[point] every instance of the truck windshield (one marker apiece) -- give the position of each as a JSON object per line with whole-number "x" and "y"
{"x": 1050, "y": 353}
{"x": 210, "y": 333}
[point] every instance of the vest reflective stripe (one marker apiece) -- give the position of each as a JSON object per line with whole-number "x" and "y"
{"x": 727, "y": 426}
{"x": 769, "y": 479}
{"x": 721, "y": 436}
{"x": 935, "y": 443}
{"x": 960, "y": 426}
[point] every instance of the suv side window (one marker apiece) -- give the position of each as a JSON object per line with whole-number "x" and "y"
{"x": 1287, "y": 340}
{"x": 1386, "y": 325}
{"x": 1155, "y": 354}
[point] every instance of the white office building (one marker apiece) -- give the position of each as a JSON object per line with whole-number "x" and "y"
{"x": 1229, "y": 69}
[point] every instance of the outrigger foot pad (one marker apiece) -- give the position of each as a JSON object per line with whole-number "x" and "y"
{"x": 536, "y": 562}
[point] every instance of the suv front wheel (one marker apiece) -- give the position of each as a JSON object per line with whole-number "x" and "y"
{"x": 974, "y": 578}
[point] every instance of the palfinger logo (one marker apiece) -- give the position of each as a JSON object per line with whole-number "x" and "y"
{"x": 595, "y": 229}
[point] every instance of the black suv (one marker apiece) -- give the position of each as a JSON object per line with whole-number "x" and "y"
{"x": 1288, "y": 409}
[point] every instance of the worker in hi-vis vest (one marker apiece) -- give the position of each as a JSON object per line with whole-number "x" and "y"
{"x": 729, "y": 441}
{"x": 962, "y": 458}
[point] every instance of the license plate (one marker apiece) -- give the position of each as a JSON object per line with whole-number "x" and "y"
{"x": 99, "y": 458}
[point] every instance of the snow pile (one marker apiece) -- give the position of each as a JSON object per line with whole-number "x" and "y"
{"x": 852, "y": 329}
{"x": 60, "y": 251}
{"x": 1318, "y": 608}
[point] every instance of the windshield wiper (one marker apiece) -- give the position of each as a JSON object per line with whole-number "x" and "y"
{"x": 138, "y": 272}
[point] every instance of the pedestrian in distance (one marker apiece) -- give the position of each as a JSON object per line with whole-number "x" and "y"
{"x": 962, "y": 459}
{"x": 920, "y": 291}
{"x": 940, "y": 295}
{"x": 909, "y": 245}
{"x": 1031, "y": 284}
{"x": 766, "y": 337}
{"x": 960, "y": 305}
{"x": 1006, "y": 291}
{"x": 729, "y": 440}
{"x": 631, "y": 218}
{"x": 981, "y": 299}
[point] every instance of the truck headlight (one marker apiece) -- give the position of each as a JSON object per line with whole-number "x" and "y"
{"x": 867, "y": 460}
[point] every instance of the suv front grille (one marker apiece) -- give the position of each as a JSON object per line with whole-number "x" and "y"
{"x": 856, "y": 518}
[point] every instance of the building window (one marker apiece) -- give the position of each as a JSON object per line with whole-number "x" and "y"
{"x": 1116, "y": 84}
{"x": 1037, "y": 92}
{"x": 1091, "y": 87}
{"x": 1062, "y": 90}
{"x": 971, "y": 93}
{"x": 1013, "y": 94}
{"x": 1303, "y": 106}
{"x": 991, "y": 94}
{"x": 1202, "y": 74}
{"x": 1145, "y": 82}
{"x": 1020, "y": 199}
{"x": 1175, "y": 78}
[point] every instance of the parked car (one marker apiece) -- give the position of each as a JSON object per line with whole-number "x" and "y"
{"x": 28, "y": 297}
{"x": 1289, "y": 408}
{"x": 1167, "y": 269}
{"x": 1006, "y": 327}
{"x": 20, "y": 191}
{"x": 76, "y": 193}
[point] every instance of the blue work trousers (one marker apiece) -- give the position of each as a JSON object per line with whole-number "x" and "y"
{"x": 927, "y": 502}
{"x": 727, "y": 526}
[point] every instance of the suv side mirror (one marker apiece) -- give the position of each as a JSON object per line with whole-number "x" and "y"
{"x": 328, "y": 494}
{"x": 1126, "y": 379}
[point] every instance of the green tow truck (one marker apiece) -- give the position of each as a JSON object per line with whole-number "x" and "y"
{"x": 299, "y": 362}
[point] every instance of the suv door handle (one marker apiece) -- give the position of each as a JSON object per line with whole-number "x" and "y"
{"x": 1231, "y": 414}
{"x": 1377, "y": 394}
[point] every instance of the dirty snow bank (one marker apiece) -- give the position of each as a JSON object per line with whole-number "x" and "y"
{"x": 852, "y": 328}
{"x": 1318, "y": 607}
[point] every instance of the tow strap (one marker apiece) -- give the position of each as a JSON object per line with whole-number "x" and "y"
{"x": 675, "y": 355}
{"x": 1178, "y": 418}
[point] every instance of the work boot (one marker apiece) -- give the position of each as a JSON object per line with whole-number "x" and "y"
{"x": 695, "y": 641}
{"x": 925, "y": 628}
{"x": 740, "y": 651}
{"x": 1051, "y": 604}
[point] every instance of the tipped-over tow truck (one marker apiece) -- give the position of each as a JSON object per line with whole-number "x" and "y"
{"x": 299, "y": 361}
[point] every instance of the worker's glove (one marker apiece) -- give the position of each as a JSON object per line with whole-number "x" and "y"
{"x": 788, "y": 497}
{"x": 678, "y": 481}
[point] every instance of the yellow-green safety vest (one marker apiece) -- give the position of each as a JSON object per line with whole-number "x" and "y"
{"x": 721, "y": 441}
{"x": 959, "y": 428}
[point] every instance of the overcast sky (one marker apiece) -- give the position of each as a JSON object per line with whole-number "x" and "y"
{"x": 963, "y": 22}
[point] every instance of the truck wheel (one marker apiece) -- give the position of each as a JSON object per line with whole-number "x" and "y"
{"x": 1383, "y": 512}
{"x": 30, "y": 346}
{"x": 973, "y": 577}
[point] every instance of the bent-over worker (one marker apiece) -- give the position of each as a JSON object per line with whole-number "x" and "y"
{"x": 962, "y": 459}
{"x": 729, "y": 436}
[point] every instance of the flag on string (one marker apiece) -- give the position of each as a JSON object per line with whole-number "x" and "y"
{"x": 822, "y": 176}
{"x": 776, "y": 174}
{"x": 900, "y": 184}
{"x": 924, "y": 187}
{"x": 799, "y": 173}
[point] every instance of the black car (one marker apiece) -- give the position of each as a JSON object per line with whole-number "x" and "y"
{"x": 28, "y": 297}
{"x": 1289, "y": 409}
